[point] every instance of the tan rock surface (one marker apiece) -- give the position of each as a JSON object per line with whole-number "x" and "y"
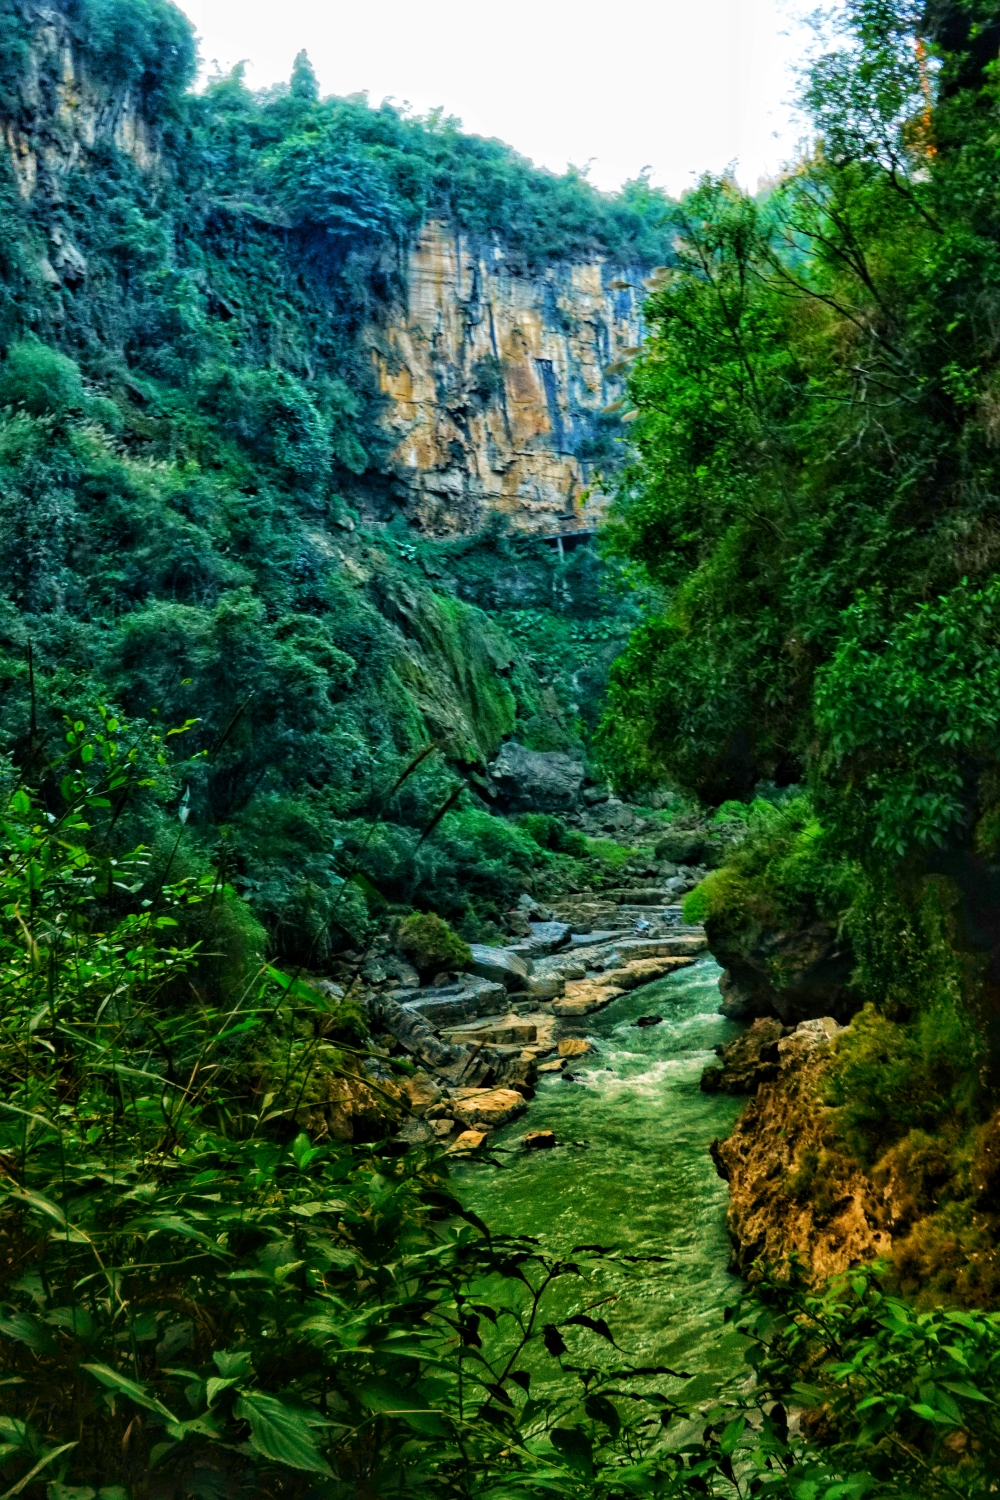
{"x": 574, "y": 1046}
{"x": 493, "y": 1107}
{"x": 791, "y": 1188}
{"x": 467, "y": 1141}
{"x": 490, "y": 375}
{"x": 583, "y": 996}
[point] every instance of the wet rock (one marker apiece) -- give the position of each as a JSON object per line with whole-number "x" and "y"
{"x": 648, "y": 1021}
{"x": 468, "y": 1140}
{"x": 415, "y": 1133}
{"x": 574, "y": 1046}
{"x": 556, "y": 1065}
{"x": 583, "y": 997}
{"x": 643, "y": 971}
{"x": 536, "y": 780}
{"x": 442, "y": 1127}
{"x": 500, "y": 965}
{"x": 746, "y": 1063}
{"x": 492, "y": 1108}
{"x": 539, "y": 1140}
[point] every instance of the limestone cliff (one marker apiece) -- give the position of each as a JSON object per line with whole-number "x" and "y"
{"x": 62, "y": 109}
{"x": 499, "y": 383}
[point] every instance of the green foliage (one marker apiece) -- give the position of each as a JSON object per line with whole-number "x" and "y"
{"x": 888, "y": 1079}
{"x": 431, "y": 944}
{"x": 782, "y": 872}
{"x": 610, "y": 853}
{"x": 828, "y": 575}
{"x": 550, "y": 832}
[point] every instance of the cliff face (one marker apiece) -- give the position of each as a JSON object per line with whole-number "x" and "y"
{"x": 61, "y": 111}
{"x": 499, "y": 383}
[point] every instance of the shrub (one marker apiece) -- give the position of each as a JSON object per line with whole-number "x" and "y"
{"x": 431, "y": 944}
{"x": 40, "y": 380}
{"x": 550, "y": 832}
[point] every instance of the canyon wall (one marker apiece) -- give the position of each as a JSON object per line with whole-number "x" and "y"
{"x": 503, "y": 385}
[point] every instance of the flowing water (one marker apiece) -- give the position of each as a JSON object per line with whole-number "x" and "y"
{"x": 632, "y": 1169}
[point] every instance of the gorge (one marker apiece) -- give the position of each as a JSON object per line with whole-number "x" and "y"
{"x": 499, "y": 787}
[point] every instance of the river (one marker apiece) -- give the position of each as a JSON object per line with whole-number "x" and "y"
{"x": 632, "y": 1170}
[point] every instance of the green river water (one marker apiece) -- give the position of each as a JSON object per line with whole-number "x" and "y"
{"x": 638, "y": 1177}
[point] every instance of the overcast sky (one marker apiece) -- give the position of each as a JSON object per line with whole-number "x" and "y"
{"x": 678, "y": 85}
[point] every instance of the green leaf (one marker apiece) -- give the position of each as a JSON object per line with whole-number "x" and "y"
{"x": 280, "y": 1433}
{"x": 232, "y": 1363}
{"x": 130, "y": 1388}
{"x": 575, "y": 1447}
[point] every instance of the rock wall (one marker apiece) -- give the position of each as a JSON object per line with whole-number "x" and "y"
{"x": 61, "y": 112}
{"x": 499, "y": 383}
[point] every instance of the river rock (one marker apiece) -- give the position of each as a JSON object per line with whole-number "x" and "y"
{"x": 536, "y": 780}
{"x": 422, "y": 1093}
{"x": 643, "y": 971}
{"x": 442, "y": 1127}
{"x": 500, "y": 965}
{"x": 548, "y": 937}
{"x": 468, "y": 1140}
{"x": 584, "y": 996}
{"x": 555, "y": 1066}
{"x": 507, "y": 1030}
{"x": 415, "y": 1133}
{"x": 574, "y": 1046}
{"x": 539, "y": 1140}
{"x": 493, "y": 1108}
{"x": 454, "y": 1003}
{"x": 644, "y": 1021}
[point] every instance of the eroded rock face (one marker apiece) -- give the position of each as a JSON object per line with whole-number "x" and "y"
{"x": 794, "y": 975}
{"x": 62, "y": 114}
{"x": 499, "y": 380}
{"x": 791, "y": 1190}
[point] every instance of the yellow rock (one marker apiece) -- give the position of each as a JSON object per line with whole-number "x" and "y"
{"x": 494, "y": 1107}
{"x": 467, "y": 1141}
{"x": 584, "y": 996}
{"x": 573, "y": 1046}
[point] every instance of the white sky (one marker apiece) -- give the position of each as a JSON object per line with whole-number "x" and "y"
{"x": 680, "y": 86}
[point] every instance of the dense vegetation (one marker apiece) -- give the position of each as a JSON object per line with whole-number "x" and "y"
{"x": 815, "y": 493}
{"x": 195, "y": 522}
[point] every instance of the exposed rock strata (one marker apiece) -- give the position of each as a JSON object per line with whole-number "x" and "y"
{"x": 499, "y": 382}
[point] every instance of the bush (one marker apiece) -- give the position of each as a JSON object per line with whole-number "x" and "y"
{"x": 550, "y": 832}
{"x": 431, "y": 944}
{"x": 40, "y": 380}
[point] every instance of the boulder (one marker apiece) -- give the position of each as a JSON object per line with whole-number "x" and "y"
{"x": 545, "y": 986}
{"x": 548, "y": 937}
{"x": 415, "y": 1133}
{"x": 555, "y": 1066}
{"x": 807, "y": 1036}
{"x": 467, "y": 1141}
{"x": 584, "y": 996}
{"x": 539, "y": 1140}
{"x": 574, "y": 1046}
{"x": 644, "y": 1021}
{"x": 442, "y": 1127}
{"x": 453, "y": 1004}
{"x": 492, "y": 1108}
{"x": 790, "y": 973}
{"x": 643, "y": 971}
{"x": 500, "y": 965}
{"x": 536, "y": 780}
{"x": 422, "y": 1093}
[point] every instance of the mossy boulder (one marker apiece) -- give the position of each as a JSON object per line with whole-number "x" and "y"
{"x": 431, "y": 945}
